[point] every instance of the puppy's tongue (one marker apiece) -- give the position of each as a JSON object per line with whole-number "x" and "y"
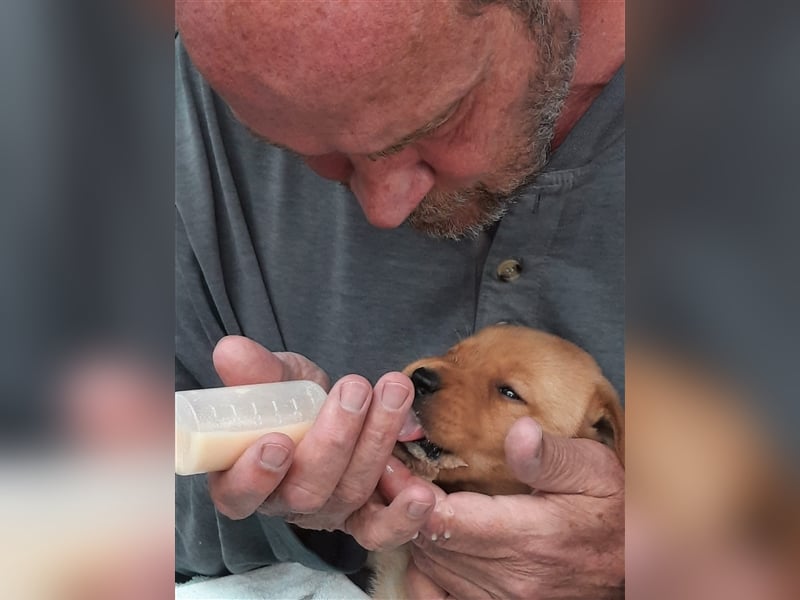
{"x": 411, "y": 429}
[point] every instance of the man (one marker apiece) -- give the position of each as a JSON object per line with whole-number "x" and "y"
{"x": 437, "y": 118}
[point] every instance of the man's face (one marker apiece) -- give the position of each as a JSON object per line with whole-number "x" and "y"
{"x": 431, "y": 116}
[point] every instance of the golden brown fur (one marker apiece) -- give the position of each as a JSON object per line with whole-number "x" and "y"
{"x": 468, "y": 398}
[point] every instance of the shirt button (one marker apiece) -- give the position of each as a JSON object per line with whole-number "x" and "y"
{"x": 509, "y": 270}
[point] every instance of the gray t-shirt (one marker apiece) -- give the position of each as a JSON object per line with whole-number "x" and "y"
{"x": 267, "y": 249}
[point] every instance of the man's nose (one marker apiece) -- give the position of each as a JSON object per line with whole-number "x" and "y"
{"x": 390, "y": 188}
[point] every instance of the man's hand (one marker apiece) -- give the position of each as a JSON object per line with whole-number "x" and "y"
{"x": 328, "y": 480}
{"x": 565, "y": 541}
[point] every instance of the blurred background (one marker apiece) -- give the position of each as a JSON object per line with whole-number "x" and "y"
{"x": 712, "y": 300}
{"x": 86, "y": 185}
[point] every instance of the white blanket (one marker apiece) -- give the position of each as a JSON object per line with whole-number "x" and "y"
{"x": 288, "y": 581}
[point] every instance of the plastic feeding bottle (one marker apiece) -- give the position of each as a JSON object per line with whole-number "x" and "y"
{"x": 213, "y": 427}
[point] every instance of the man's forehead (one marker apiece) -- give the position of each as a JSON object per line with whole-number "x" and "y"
{"x": 324, "y": 39}
{"x": 372, "y": 129}
{"x": 345, "y": 82}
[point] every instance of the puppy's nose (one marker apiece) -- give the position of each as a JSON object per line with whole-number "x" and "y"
{"x": 425, "y": 381}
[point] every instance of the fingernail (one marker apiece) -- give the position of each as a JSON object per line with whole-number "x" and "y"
{"x": 416, "y": 510}
{"x": 434, "y": 537}
{"x": 353, "y": 395}
{"x": 415, "y": 536}
{"x": 273, "y": 456}
{"x": 394, "y": 395}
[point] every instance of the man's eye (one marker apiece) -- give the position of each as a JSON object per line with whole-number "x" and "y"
{"x": 509, "y": 392}
{"x": 386, "y": 153}
{"x": 442, "y": 130}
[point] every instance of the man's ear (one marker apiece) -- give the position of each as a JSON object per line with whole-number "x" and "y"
{"x": 605, "y": 421}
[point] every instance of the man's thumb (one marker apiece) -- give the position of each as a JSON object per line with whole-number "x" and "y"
{"x": 559, "y": 465}
{"x": 242, "y": 361}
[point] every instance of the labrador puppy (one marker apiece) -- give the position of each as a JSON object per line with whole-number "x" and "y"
{"x": 466, "y": 401}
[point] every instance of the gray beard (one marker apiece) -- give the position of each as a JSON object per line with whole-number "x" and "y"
{"x": 438, "y": 213}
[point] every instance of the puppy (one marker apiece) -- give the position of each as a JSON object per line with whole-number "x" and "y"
{"x": 466, "y": 402}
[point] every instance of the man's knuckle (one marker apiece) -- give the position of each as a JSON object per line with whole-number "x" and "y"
{"x": 351, "y": 494}
{"x": 374, "y": 534}
{"x": 229, "y": 509}
{"x": 362, "y": 530}
{"x": 375, "y": 439}
{"x": 369, "y": 540}
{"x": 303, "y": 500}
{"x": 223, "y": 501}
{"x": 339, "y": 442}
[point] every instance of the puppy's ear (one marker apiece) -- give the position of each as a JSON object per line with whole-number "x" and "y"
{"x": 605, "y": 421}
